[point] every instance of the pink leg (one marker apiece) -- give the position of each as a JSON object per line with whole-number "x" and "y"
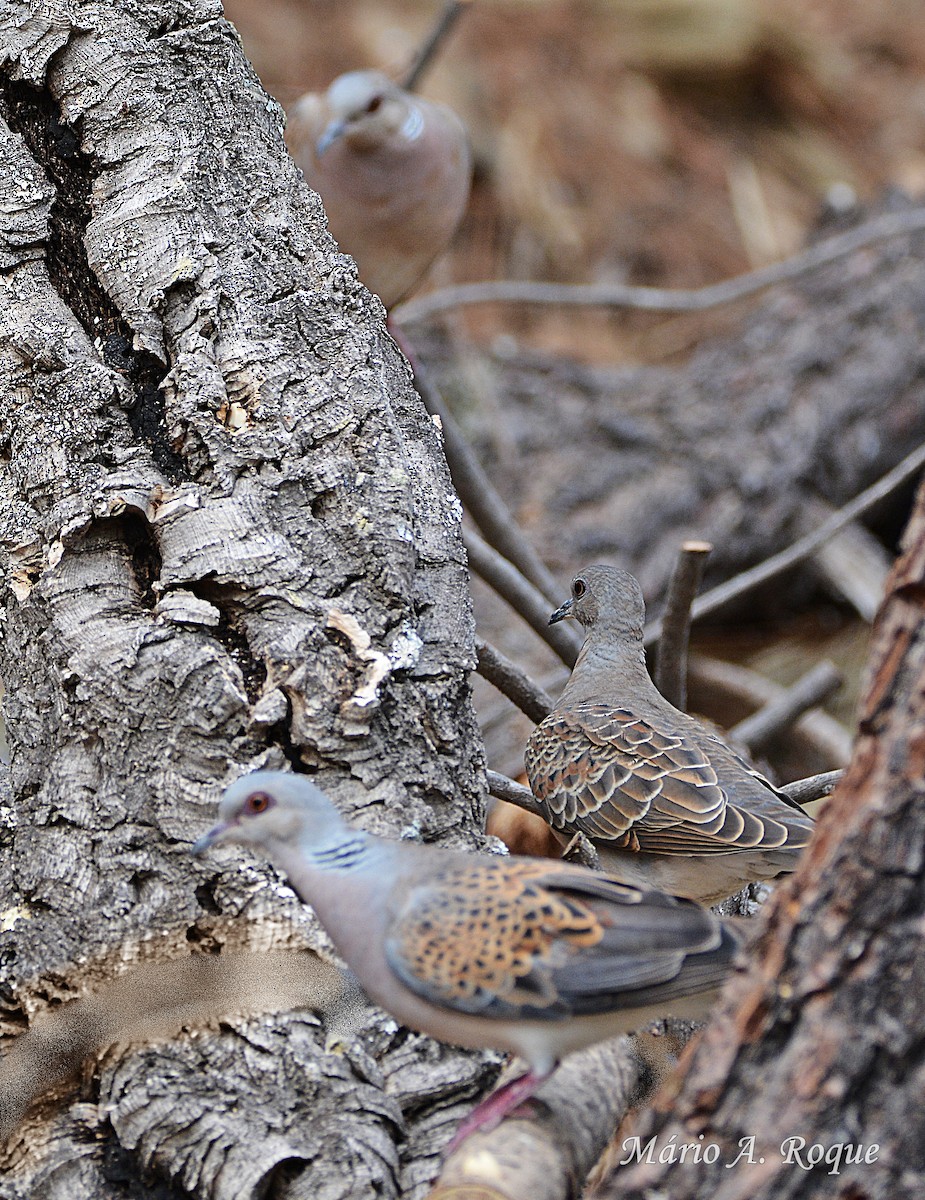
{"x": 492, "y": 1111}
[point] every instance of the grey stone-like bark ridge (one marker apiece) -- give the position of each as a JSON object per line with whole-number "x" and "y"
{"x": 230, "y": 541}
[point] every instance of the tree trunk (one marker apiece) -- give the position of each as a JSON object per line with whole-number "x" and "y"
{"x": 231, "y": 542}
{"x": 809, "y": 1080}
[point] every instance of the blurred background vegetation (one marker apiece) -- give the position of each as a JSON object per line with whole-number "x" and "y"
{"x": 663, "y": 142}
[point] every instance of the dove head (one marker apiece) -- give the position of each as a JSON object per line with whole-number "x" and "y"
{"x": 366, "y": 109}
{"x": 606, "y": 599}
{"x": 273, "y": 810}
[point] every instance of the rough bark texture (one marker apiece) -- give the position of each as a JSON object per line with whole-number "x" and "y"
{"x": 231, "y": 541}
{"x": 822, "y": 1038}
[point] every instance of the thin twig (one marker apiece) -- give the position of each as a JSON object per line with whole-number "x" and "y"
{"x": 513, "y": 793}
{"x": 854, "y": 565}
{"x": 666, "y": 300}
{"x": 476, "y": 492}
{"x": 671, "y": 665}
{"x": 734, "y": 589}
{"x": 814, "y": 787}
{"x": 522, "y": 596}
{"x": 512, "y": 682}
{"x": 435, "y": 39}
{"x": 779, "y": 714}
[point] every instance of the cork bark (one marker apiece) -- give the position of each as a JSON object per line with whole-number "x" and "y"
{"x": 230, "y": 541}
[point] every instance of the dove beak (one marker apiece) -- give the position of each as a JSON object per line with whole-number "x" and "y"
{"x": 562, "y": 613}
{"x": 329, "y": 136}
{"x": 216, "y": 834}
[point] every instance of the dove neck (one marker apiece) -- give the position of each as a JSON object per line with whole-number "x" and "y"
{"x": 605, "y": 659}
{"x": 342, "y": 852}
{"x": 346, "y": 882}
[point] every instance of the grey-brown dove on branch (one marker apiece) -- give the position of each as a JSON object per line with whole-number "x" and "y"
{"x": 392, "y": 169}
{"x": 665, "y": 803}
{"x": 531, "y": 956}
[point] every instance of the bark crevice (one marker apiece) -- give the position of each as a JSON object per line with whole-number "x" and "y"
{"x": 35, "y": 115}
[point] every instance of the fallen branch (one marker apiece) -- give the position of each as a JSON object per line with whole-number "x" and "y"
{"x": 853, "y": 566}
{"x": 522, "y": 596}
{"x": 512, "y": 682}
{"x": 779, "y": 714}
{"x": 546, "y": 1156}
{"x": 664, "y": 300}
{"x": 740, "y": 585}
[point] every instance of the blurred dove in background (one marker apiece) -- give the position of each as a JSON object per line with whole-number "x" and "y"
{"x": 392, "y": 169}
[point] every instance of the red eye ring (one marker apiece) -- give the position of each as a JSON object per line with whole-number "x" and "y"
{"x": 257, "y": 803}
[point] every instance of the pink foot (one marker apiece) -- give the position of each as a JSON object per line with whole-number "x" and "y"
{"x": 500, "y": 1104}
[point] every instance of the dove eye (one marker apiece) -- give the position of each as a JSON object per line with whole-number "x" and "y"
{"x": 374, "y": 105}
{"x": 257, "y": 803}
{"x": 579, "y": 588}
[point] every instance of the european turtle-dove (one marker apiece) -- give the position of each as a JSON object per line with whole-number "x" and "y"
{"x": 665, "y": 802}
{"x": 392, "y": 169}
{"x": 531, "y": 956}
